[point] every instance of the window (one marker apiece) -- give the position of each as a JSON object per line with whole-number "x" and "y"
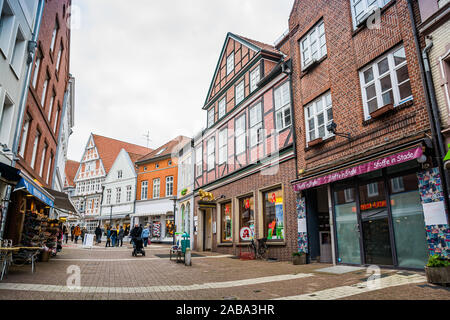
{"x": 318, "y": 114}
{"x": 6, "y": 120}
{"x": 128, "y": 193}
{"x": 210, "y": 117}
{"x": 397, "y": 185}
{"x": 170, "y": 162}
{"x": 255, "y": 77}
{"x": 55, "y": 32}
{"x": 313, "y": 45}
{"x": 227, "y": 222}
{"x": 44, "y": 152}
{"x": 282, "y": 106}
{"x": 273, "y": 212}
{"x": 222, "y": 107}
{"x": 349, "y": 195}
{"x": 108, "y": 196}
{"x": 240, "y": 94}
{"x": 157, "y": 165}
{"x": 50, "y": 162}
{"x": 50, "y": 108}
{"x": 35, "y": 146}
{"x": 144, "y": 190}
{"x": 211, "y": 153}
{"x": 119, "y": 174}
{"x": 256, "y": 132}
{"x": 25, "y": 129}
{"x": 442, "y": 3}
{"x": 169, "y": 186}
{"x": 240, "y": 135}
{"x": 247, "y": 213}
{"x": 37, "y": 66}
{"x": 6, "y": 28}
{"x": 18, "y": 53}
{"x": 230, "y": 63}
{"x": 58, "y": 60}
{"x": 385, "y": 82}
{"x": 44, "y": 91}
{"x": 55, "y": 124}
{"x": 362, "y": 9}
{"x": 118, "y": 194}
{"x": 96, "y": 203}
{"x": 199, "y": 161}
{"x": 372, "y": 190}
{"x": 156, "y": 188}
{"x": 223, "y": 146}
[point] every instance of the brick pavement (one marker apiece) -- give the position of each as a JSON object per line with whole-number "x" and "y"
{"x": 114, "y": 274}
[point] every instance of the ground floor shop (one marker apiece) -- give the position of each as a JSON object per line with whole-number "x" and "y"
{"x": 387, "y": 212}
{"x": 184, "y": 218}
{"x": 254, "y": 205}
{"x": 162, "y": 227}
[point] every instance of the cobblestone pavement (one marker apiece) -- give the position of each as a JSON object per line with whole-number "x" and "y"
{"x": 112, "y": 273}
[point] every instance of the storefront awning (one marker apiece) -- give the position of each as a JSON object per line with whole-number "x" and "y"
{"x": 163, "y": 213}
{"x": 114, "y": 217}
{"x": 35, "y": 190}
{"x": 367, "y": 167}
{"x": 62, "y": 201}
{"x": 9, "y": 174}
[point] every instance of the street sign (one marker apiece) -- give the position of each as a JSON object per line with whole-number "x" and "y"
{"x": 88, "y": 241}
{"x": 246, "y": 234}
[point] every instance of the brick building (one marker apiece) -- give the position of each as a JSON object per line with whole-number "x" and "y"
{"x": 157, "y": 183}
{"x": 366, "y": 168}
{"x": 246, "y": 156}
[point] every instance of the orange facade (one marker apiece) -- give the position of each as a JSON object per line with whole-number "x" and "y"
{"x": 153, "y": 170}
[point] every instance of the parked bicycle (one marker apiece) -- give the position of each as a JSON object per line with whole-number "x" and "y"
{"x": 260, "y": 248}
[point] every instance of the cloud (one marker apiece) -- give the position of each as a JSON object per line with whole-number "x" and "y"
{"x": 145, "y": 65}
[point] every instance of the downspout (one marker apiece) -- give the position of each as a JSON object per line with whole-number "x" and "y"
{"x": 432, "y": 109}
{"x": 32, "y": 44}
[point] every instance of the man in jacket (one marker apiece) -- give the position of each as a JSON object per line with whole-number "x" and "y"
{"x": 98, "y": 234}
{"x": 77, "y": 233}
{"x": 135, "y": 233}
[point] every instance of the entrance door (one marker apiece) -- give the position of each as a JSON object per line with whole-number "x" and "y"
{"x": 375, "y": 224}
{"x": 207, "y": 230}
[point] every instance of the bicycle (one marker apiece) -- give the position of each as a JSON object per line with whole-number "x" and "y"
{"x": 260, "y": 249}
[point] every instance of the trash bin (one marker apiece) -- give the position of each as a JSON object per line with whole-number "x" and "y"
{"x": 185, "y": 242}
{"x": 45, "y": 256}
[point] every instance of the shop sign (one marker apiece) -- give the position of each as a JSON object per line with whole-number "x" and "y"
{"x": 381, "y": 163}
{"x": 246, "y": 234}
{"x": 33, "y": 190}
{"x": 247, "y": 204}
{"x": 373, "y": 205}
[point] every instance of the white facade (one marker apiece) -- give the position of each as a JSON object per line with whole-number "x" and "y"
{"x": 119, "y": 189}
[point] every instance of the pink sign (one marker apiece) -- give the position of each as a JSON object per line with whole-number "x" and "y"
{"x": 361, "y": 169}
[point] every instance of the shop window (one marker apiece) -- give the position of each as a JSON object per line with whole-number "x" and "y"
{"x": 227, "y": 222}
{"x": 170, "y": 227}
{"x": 273, "y": 211}
{"x": 247, "y": 213}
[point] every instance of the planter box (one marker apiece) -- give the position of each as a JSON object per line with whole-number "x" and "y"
{"x": 382, "y": 110}
{"x": 438, "y": 275}
{"x": 297, "y": 260}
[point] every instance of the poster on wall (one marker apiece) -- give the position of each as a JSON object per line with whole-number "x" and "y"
{"x": 434, "y": 213}
{"x": 302, "y": 225}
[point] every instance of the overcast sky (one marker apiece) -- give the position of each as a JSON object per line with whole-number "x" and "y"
{"x": 145, "y": 65}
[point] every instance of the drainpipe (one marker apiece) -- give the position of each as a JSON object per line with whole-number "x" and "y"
{"x": 432, "y": 109}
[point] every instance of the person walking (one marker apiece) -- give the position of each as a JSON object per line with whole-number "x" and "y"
{"x": 83, "y": 232}
{"x": 108, "y": 237}
{"x": 113, "y": 236}
{"x": 77, "y": 233}
{"x": 66, "y": 233}
{"x": 120, "y": 236}
{"x": 72, "y": 228}
{"x": 145, "y": 235}
{"x": 136, "y": 232}
{"x": 98, "y": 234}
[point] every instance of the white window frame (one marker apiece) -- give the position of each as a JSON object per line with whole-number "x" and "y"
{"x": 211, "y": 153}
{"x": 108, "y": 196}
{"x": 313, "y": 46}
{"x": 255, "y": 123}
{"x": 282, "y": 106}
{"x": 222, "y": 107}
{"x": 6, "y": 33}
{"x": 230, "y": 63}
{"x": 240, "y": 134}
{"x": 129, "y": 190}
{"x": 397, "y": 184}
{"x": 372, "y": 190}
{"x": 54, "y": 34}
{"x": 156, "y": 188}
{"x": 349, "y": 195}
{"x": 395, "y": 86}
{"x": 366, "y": 6}
{"x": 239, "y": 92}
{"x": 255, "y": 77}
{"x": 169, "y": 186}
{"x": 50, "y": 162}
{"x": 35, "y": 146}
{"x": 44, "y": 91}
{"x": 25, "y": 131}
{"x": 312, "y": 113}
{"x": 118, "y": 194}
{"x": 58, "y": 59}
{"x": 223, "y": 146}
{"x": 211, "y": 114}
{"x": 55, "y": 124}
{"x": 119, "y": 174}
{"x": 44, "y": 154}
{"x": 144, "y": 190}
{"x": 37, "y": 66}
{"x": 199, "y": 161}
{"x": 18, "y": 53}
{"x": 50, "y": 108}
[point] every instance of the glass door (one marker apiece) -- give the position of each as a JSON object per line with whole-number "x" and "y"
{"x": 375, "y": 223}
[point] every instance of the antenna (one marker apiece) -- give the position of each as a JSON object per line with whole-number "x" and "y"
{"x": 147, "y": 136}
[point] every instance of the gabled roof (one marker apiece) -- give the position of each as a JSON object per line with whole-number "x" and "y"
{"x": 171, "y": 147}
{"x": 251, "y": 44}
{"x": 108, "y": 149}
{"x": 71, "y": 171}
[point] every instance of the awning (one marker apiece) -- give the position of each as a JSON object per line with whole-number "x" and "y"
{"x": 35, "y": 190}
{"x": 152, "y": 214}
{"x": 114, "y": 217}
{"x": 9, "y": 174}
{"x": 62, "y": 201}
{"x": 367, "y": 167}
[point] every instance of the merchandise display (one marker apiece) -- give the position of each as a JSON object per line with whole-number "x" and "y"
{"x": 156, "y": 230}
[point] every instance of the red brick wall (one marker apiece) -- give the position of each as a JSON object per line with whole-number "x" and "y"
{"x": 53, "y": 9}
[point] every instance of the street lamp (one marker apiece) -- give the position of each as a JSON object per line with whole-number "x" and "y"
{"x": 174, "y": 199}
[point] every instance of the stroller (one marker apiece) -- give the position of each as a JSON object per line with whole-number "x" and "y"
{"x": 138, "y": 247}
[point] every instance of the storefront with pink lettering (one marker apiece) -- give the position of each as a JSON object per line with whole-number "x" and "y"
{"x": 381, "y": 211}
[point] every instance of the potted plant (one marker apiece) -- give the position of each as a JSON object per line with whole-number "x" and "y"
{"x": 438, "y": 270}
{"x": 298, "y": 258}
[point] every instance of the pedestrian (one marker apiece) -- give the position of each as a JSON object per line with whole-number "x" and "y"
{"x": 108, "y": 237}
{"x": 113, "y": 236}
{"x": 72, "y": 228}
{"x": 98, "y": 234}
{"x": 83, "y": 232}
{"x": 136, "y": 232}
{"x": 145, "y": 235}
{"x": 77, "y": 233}
{"x": 66, "y": 233}
{"x": 120, "y": 236}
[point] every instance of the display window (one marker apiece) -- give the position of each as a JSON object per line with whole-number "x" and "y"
{"x": 273, "y": 211}
{"x": 170, "y": 228}
{"x": 247, "y": 213}
{"x": 227, "y": 222}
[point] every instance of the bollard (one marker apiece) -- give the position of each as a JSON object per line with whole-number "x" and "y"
{"x": 187, "y": 257}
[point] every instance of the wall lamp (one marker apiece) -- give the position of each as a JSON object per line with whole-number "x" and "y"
{"x": 332, "y": 128}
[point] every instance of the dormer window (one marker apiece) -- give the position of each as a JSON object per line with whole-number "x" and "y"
{"x": 230, "y": 63}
